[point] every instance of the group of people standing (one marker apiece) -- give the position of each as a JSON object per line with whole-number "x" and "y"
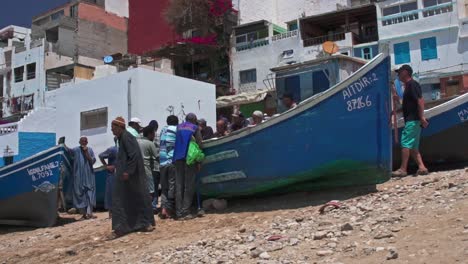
{"x": 137, "y": 164}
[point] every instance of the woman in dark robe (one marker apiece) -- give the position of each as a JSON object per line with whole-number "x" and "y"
{"x": 131, "y": 205}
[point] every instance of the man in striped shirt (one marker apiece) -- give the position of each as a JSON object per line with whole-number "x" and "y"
{"x": 166, "y": 152}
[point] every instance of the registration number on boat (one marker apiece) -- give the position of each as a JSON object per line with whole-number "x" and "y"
{"x": 463, "y": 115}
{"x": 359, "y": 103}
{"x": 43, "y": 171}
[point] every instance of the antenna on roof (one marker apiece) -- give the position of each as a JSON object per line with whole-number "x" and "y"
{"x": 330, "y": 47}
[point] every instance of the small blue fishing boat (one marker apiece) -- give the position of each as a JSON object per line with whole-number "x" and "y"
{"x": 29, "y": 189}
{"x": 339, "y": 137}
{"x": 443, "y": 142}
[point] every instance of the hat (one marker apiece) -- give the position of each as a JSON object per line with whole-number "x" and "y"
{"x": 136, "y": 120}
{"x": 405, "y": 67}
{"x": 119, "y": 121}
{"x": 257, "y": 113}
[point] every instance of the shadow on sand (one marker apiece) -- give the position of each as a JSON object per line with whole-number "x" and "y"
{"x": 61, "y": 221}
{"x": 296, "y": 200}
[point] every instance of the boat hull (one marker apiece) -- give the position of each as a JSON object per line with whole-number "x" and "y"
{"x": 327, "y": 141}
{"x": 29, "y": 189}
{"x": 443, "y": 142}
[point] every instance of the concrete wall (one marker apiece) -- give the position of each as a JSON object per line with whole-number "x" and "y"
{"x": 423, "y": 24}
{"x": 151, "y": 94}
{"x": 118, "y": 7}
{"x": 99, "y": 15}
{"x": 448, "y": 52}
{"x": 282, "y": 11}
{"x": 66, "y": 43}
{"x": 97, "y": 40}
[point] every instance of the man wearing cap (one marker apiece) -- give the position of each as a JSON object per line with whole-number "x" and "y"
{"x": 413, "y": 114}
{"x": 131, "y": 204}
{"x": 134, "y": 127}
{"x": 257, "y": 118}
{"x": 185, "y": 174}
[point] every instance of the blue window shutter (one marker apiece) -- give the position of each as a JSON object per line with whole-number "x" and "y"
{"x": 428, "y": 48}
{"x": 402, "y": 53}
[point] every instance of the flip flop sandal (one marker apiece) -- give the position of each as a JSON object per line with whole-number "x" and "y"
{"x": 422, "y": 172}
{"x": 399, "y": 173}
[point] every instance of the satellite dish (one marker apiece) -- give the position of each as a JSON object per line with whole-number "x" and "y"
{"x": 108, "y": 59}
{"x": 330, "y": 47}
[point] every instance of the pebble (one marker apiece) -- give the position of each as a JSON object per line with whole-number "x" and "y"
{"x": 320, "y": 235}
{"x": 57, "y": 236}
{"x": 392, "y": 254}
{"x": 293, "y": 241}
{"x": 347, "y": 227}
{"x": 383, "y": 235}
{"x": 265, "y": 255}
{"x": 323, "y": 253}
{"x": 255, "y": 253}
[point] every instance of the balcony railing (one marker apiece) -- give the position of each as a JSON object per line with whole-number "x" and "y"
{"x": 8, "y": 129}
{"x": 253, "y": 44}
{"x": 320, "y": 40}
{"x": 437, "y": 10}
{"x": 400, "y": 18}
{"x": 285, "y": 35}
{"x": 415, "y": 14}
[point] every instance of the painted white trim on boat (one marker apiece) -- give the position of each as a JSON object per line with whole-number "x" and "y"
{"x": 437, "y": 110}
{"x": 224, "y": 155}
{"x": 301, "y": 107}
{"x": 31, "y": 164}
{"x": 223, "y": 177}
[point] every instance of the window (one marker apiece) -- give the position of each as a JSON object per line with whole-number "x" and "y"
{"x": 94, "y": 119}
{"x": 366, "y": 53}
{"x": 402, "y": 53}
{"x": 57, "y": 15}
{"x": 74, "y": 11}
{"x": 393, "y": 10}
{"x": 320, "y": 81}
{"x": 292, "y": 26}
{"x": 428, "y": 3}
{"x": 287, "y": 54}
{"x": 31, "y": 71}
{"x": 428, "y": 48}
{"x": 252, "y": 36}
{"x": 248, "y": 76}
{"x": 19, "y": 74}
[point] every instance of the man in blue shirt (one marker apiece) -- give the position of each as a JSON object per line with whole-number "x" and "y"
{"x": 185, "y": 174}
{"x": 166, "y": 152}
{"x": 111, "y": 155}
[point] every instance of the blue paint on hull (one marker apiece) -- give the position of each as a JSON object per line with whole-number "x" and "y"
{"x": 36, "y": 178}
{"x": 312, "y": 141}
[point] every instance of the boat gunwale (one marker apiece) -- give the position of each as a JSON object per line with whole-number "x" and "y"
{"x": 301, "y": 107}
{"x": 19, "y": 163}
{"x": 439, "y": 109}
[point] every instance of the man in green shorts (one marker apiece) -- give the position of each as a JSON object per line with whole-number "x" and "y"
{"x": 413, "y": 113}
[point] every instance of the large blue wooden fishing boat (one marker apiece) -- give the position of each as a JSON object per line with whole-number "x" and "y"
{"x": 339, "y": 137}
{"x": 443, "y": 142}
{"x": 29, "y": 189}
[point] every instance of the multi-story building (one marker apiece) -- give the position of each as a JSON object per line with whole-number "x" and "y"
{"x": 259, "y": 46}
{"x": 65, "y": 44}
{"x": 20, "y": 76}
{"x": 431, "y": 36}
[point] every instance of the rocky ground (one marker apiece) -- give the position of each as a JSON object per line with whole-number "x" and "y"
{"x": 411, "y": 220}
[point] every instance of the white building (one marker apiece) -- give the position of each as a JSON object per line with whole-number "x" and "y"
{"x": 88, "y": 108}
{"x": 431, "y": 36}
{"x": 262, "y": 45}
